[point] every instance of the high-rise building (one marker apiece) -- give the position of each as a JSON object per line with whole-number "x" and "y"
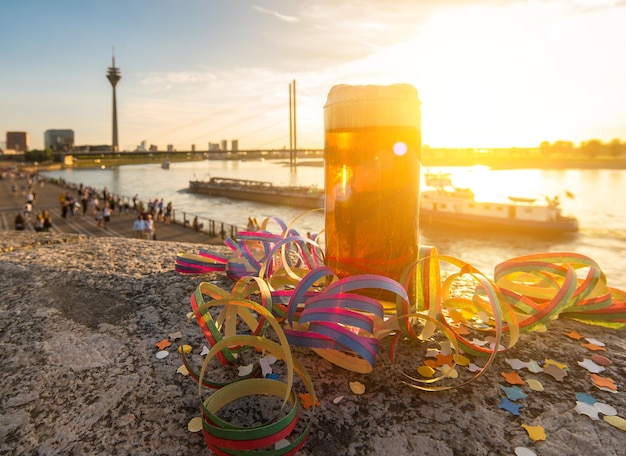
{"x": 58, "y": 140}
{"x": 17, "y": 141}
{"x": 114, "y": 75}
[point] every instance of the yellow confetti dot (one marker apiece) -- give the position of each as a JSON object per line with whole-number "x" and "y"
{"x": 615, "y": 421}
{"x": 534, "y": 385}
{"x": 357, "y": 387}
{"x": 449, "y": 371}
{"x": 186, "y": 349}
{"x": 460, "y": 360}
{"x": 426, "y": 371}
{"x": 195, "y": 425}
{"x": 555, "y": 363}
{"x": 182, "y": 370}
{"x": 535, "y": 432}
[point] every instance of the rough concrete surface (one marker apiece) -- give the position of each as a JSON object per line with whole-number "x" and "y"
{"x": 79, "y": 319}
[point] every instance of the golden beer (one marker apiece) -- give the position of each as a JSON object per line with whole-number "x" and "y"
{"x": 372, "y": 173}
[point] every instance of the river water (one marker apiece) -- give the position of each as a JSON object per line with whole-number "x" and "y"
{"x": 596, "y": 202}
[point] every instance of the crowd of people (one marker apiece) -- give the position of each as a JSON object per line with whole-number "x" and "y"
{"x": 41, "y": 221}
{"x": 79, "y": 200}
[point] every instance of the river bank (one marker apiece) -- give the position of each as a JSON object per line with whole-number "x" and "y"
{"x": 80, "y": 319}
{"x": 495, "y": 162}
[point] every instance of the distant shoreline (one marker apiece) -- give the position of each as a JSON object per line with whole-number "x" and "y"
{"x": 495, "y": 163}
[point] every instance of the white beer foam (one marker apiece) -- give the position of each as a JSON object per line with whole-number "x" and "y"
{"x": 357, "y": 106}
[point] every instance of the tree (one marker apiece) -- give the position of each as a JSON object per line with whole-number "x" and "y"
{"x": 592, "y": 148}
{"x": 545, "y": 148}
{"x": 38, "y": 155}
{"x": 616, "y": 148}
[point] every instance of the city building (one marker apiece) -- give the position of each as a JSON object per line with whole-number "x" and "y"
{"x": 234, "y": 145}
{"x": 58, "y": 140}
{"x": 17, "y": 141}
{"x": 224, "y": 144}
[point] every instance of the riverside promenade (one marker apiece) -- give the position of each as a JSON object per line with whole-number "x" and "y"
{"x": 121, "y": 224}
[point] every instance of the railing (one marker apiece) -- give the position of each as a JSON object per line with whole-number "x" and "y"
{"x": 205, "y": 225}
{"x": 202, "y": 224}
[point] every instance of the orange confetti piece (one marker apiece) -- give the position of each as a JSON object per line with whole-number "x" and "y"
{"x": 513, "y": 378}
{"x": 594, "y": 347}
{"x": 462, "y": 330}
{"x": 431, "y": 363}
{"x": 603, "y": 382}
{"x": 163, "y": 344}
{"x": 455, "y": 315}
{"x": 307, "y": 402}
{"x": 535, "y": 432}
{"x": 443, "y": 359}
{"x": 574, "y": 335}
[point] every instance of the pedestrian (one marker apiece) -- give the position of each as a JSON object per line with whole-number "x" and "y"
{"x": 139, "y": 227}
{"x": 47, "y": 220}
{"x": 99, "y": 216}
{"x": 150, "y": 226}
{"x": 106, "y": 215}
{"x": 39, "y": 222}
{"x": 28, "y": 209}
{"x": 169, "y": 209}
{"x": 19, "y": 222}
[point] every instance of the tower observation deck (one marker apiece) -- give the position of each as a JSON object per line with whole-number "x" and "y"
{"x": 114, "y": 75}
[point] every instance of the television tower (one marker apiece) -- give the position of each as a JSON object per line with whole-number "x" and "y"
{"x": 114, "y": 75}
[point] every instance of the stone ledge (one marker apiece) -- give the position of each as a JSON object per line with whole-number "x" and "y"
{"x": 79, "y": 320}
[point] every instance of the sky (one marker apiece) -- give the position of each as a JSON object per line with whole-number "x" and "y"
{"x": 490, "y": 73}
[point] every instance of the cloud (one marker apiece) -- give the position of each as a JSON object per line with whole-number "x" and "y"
{"x": 282, "y": 17}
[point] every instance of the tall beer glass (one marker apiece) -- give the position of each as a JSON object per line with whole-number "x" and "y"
{"x": 372, "y": 174}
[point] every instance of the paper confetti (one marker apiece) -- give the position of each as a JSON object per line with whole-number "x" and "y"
{"x": 513, "y": 378}
{"x": 163, "y": 344}
{"x": 266, "y": 363}
{"x": 195, "y": 425}
{"x": 186, "y": 349}
{"x": 509, "y": 406}
{"x": 535, "y": 432}
{"x": 616, "y": 421}
{"x": 591, "y": 366}
{"x": 357, "y": 387}
{"x": 305, "y": 399}
{"x": 337, "y": 400}
{"x": 523, "y": 451}
{"x": 162, "y": 354}
{"x": 176, "y": 335}
{"x": 516, "y": 364}
{"x": 603, "y": 382}
{"x": 534, "y": 385}
{"x": 551, "y": 362}
{"x": 595, "y": 342}
{"x": 426, "y": 371}
{"x": 449, "y": 371}
{"x": 601, "y": 360}
{"x": 514, "y": 393}
{"x": 587, "y": 398}
{"x": 605, "y": 409}
{"x": 582, "y": 408}
{"x": 245, "y": 370}
{"x": 574, "y": 335}
{"x": 594, "y": 347}
{"x": 555, "y": 372}
{"x": 182, "y": 370}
